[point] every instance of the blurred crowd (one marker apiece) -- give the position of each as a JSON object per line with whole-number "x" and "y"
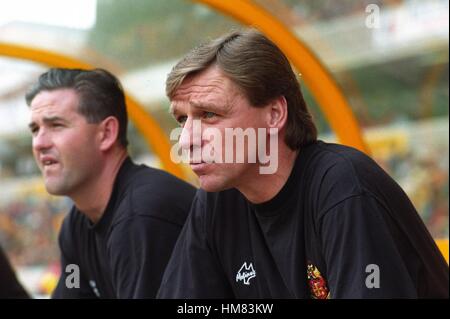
{"x": 425, "y": 179}
{"x": 29, "y": 229}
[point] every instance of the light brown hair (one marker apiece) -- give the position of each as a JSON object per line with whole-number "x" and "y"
{"x": 262, "y": 72}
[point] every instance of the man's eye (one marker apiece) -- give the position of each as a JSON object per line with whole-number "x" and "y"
{"x": 208, "y": 115}
{"x": 181, "y": 119}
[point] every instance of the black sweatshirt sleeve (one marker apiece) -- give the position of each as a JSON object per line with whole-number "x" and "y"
{"x": 360, "y": 253}
{"x": 138, "y": 252}
{"x": 141, "y": 244}
{"x": 193, "y": 270}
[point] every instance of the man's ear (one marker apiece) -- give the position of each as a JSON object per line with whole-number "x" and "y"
{"x": 277, "y": 113}
{"x": 109, "y": 130}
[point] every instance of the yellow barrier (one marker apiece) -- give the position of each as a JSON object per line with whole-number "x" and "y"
{"x": 443, "y": 247}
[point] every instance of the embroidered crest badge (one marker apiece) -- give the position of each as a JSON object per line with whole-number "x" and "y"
{"x": 317, "y": 284}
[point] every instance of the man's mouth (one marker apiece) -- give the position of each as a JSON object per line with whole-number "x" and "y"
{"x": 198, "y": 166}
{"x": 195, "y": 162}
{"x": 48, "y": 161}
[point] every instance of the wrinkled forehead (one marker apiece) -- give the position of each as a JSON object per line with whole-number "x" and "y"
{"x": 54, "y": 97}
{"x": 55, "y": 101}
{"x": 213, "y": 98}
{"x": 210, "y": 87}
{"x": 210, "y": 81}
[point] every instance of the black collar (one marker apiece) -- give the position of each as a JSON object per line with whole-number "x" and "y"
{"x": 120, "y": 184}
{"x": 288, "y": 191}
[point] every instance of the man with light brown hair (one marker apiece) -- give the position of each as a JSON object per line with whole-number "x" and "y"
{"x": 327, "y": 223}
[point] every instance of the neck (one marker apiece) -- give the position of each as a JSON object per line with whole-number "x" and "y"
{"x": 263, "y": 187}
{"x": 93, "y": 198}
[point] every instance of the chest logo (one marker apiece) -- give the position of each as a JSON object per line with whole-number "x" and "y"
{"x": 317, "y": 284}
{"x": 245, "y": 273}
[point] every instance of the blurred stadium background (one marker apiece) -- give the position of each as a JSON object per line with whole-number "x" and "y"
{"x": 395, "y": 77}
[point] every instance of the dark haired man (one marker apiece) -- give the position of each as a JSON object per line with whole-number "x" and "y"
{"x": 328, "y": 222}
{"x": 118, "y": 237}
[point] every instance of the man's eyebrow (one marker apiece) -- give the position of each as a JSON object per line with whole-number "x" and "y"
{"x": 51, "y": 119}
{"x": 47, "y": 120}
{"x": 211, "y": 106}
{"x": 173, "y": 109}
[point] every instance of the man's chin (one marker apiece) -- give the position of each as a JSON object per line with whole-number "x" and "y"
{"x": 209, "y": 184}
{"x": 54, "y": 190}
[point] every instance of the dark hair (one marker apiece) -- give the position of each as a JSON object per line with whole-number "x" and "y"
{"x": 101, "y": 94}
{"x": 262, "y": 72}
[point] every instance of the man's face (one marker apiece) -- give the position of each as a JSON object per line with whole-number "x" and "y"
{"x": 217, "y": 102}
{"x": 64, "y": 144}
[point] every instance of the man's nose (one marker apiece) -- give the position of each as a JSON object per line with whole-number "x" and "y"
{"x": 41, "y": 141}
{"x": 189, "y": 135}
